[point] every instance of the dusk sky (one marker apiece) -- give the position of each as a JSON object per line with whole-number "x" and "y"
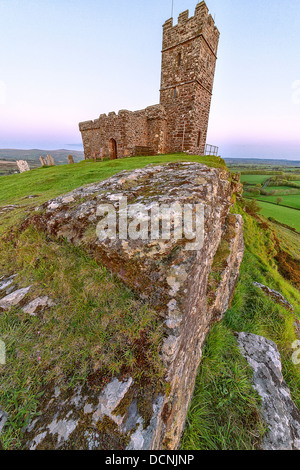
{"x": 66, "y": 61}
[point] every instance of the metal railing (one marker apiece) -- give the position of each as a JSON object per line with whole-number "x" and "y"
{"x": 211, "y": 150}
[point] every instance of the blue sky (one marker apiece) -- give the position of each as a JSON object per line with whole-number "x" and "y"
{"x": 66, "y": 61}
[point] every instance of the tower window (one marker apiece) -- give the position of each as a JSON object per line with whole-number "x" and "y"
{"x": 179, "y": 57}
{"x": 175, "y": 93}
{"x": 199, "y": 139}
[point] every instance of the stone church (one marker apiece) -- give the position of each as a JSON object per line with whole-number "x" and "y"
{"x": 179, "y": 123}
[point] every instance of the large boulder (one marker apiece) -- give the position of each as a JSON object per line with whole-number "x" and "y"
{"x": 190, "y": 282}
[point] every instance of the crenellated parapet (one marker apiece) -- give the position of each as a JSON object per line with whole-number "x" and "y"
{"x": 188, "y": 28}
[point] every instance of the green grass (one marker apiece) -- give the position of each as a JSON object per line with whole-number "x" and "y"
{"x": 50, "y": 182}
{"x": 224, "y": 413}
{"x": 292, "y": 201}
{"x": 282, "y": 188}
{"x": 284, "y": 215}
{"x": 95, "y": 327}
{"x": 254, "y": 179}
{"x": 289, "y": 240}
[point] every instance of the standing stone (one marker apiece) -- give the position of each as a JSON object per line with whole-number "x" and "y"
{"x": 43, "y": 161}
{"x": 50, "y": 161}
{"x": 70, "y": 160}
{"x": 23, "y": 166}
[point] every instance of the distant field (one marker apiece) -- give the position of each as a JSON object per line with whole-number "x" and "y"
{"x": 4, "y": 162}
{"x": 279, "y": 188}
{"x": 285, "y": 215}
{"x": 7, "y": 168}
{"x": 254, "y": 179}
{"x": 289, "y": 200}
{"x": 60, "y": 156}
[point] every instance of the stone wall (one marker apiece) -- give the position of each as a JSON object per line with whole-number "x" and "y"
{"x": 128, "y": 129}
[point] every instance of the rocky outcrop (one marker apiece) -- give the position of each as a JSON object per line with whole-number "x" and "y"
{"x": 280, "y": 413}
{"x": 189, "y": 280}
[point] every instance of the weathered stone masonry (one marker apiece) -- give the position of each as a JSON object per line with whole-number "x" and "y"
{"x": 179, "y": 123}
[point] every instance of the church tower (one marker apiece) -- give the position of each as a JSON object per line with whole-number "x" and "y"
{"x": 189, "y": 55}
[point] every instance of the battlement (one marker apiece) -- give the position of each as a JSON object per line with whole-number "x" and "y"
{"x": 189, "y": 28}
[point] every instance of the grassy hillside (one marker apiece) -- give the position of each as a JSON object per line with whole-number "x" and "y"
{"x": 97, "y": 323}
{"x": 50, "y": 182}
{"x": 47, "y": 183}
{"x": 254, "y": 179}
{"x": 224, "y": 413}
{"x": 277, "y": 193}
{"x": 291, "y": 200}
{"x": 286, "y": 215}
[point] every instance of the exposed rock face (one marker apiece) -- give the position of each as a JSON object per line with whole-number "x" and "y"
{"x": 189, "y": 288}
{"x": 281, "y": 414}
{"x": 72, "y": 419}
